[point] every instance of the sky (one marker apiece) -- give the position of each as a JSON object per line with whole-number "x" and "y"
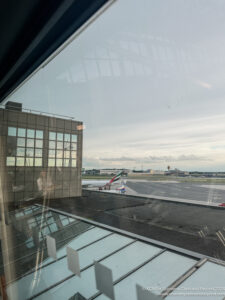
{"x": 147, "y": 78}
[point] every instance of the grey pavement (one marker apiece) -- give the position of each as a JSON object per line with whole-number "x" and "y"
{"x": 189, "y": 191}
{"x": 199, "y": 228}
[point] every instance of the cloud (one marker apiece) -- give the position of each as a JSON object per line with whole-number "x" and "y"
{"x": 90, "y": 162}
{"x": 122, "y": 158}
{"x": 204, "y": 84}
{"x": 156, "y": 159}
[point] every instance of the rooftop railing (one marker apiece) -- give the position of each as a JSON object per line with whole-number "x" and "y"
{"x": 39, "y": 112}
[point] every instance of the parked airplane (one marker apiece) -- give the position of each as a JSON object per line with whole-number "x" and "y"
{"x": 102, "y": 184}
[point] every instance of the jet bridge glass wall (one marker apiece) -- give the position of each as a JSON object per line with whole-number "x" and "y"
{"x": 132, "y": 137}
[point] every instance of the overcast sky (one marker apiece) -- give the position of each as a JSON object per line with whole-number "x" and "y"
{"x": 147, "y": 78}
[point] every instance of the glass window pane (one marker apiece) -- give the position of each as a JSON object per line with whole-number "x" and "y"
{"x": 21, "y": 142}
{"x": 53, "y": 227}
{"x": 67, "y": 137}
{"x": 52, "y": 145}
{"x": 65, "y": 222}
{"x": 52, "y": 136}
{"x": 38, "y": 162}
{"x": 74, "y": 138}
{"x": 20, "y": 161}
{"x": 11, "y": 146}
{"x": 74, "y": 162}
{"x": 66, "y": 162}
{"x": 73, "y": 154}
{"x": 30, "y": 152}
{"x": 59, "y": 162}
{"x": 59, "y": 145}
{"x": 29, "y": 162}
{"x": 59, "y": 154}
{"x": 21, "y": 132}
{"x": 30, "y": 133}
{"x": 51, "y": 153}
{"x": 39, "y": 144}
{"x": 51, "y": 162}
{"x": 167, "y": 263}
{"x": 30, "y": 143}
{"x": 46, "y": 230}
{"x": 38, "y": 152}
{"x": 73, "y": 146}
{"x": 67, "y": 145}
{"x": 20, "y": 151}
{"x": 10, "y": 161}
{"x": 12, "y": 131}
{"x": 66, "y": 154}
{"x": 60, "y": 136}
{"x": 39, "y": 134}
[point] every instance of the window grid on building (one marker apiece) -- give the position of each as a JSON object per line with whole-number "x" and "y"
{"x": 24, "y": 147}
{"x": 48, "y": 225}
{"x": 62, "y": 149}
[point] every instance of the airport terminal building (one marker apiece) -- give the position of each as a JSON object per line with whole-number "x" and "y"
{"x": 41, "y": 155}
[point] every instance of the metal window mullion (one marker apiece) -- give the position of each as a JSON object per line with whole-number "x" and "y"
{"x": 131, "y": 271}
{"x": 85, "y": 268}
{"x": 183, "y": 277}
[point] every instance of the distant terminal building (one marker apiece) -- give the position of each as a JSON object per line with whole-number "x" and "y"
{"x": 144, "y": 173}
{"x": 92, "y": 172}
{"x": 41, "y": 155}
{"x": 112, "y": 172}
{"x": 138, "y": 174}
{"x": 157, "y": 172}
{"x": 207, "y": 174}
{"x": 177, "y": 172}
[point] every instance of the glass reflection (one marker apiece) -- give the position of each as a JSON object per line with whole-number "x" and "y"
{"x": 12, "y": 131}
{"x": 74, "y": 138}
{"x": 39, "y": 134}
{"x": 30, "y": 152}
{"x": 30, "y": 133}
{"x": 66, "y": 154}
{"x": 29, "y": 162}
{"x": 60, "y": 136}
{"x": 52, "y": 136}
{"x": 59, "y": 154}
{"x": 74, "y": 163}
{"x": 21, "y": 132}
{"x": 30, "y": 143}
{"x": 73, "y": 154}
{"x": 29, "y": 227}
{"x": 67, "y": 137}
{"x": 73, "y": 146}
{"x": 51, "y": 153}
{"x": 20, "y": 151}
{"x": 51, "y": 162}
{"x": 59, "y": 162}
{"x": 38, "y": 152}
{"x": 10, "y": 161}
{"x": 11, "y": 146}
{"x": 19, "y": 161}
{"x": 21, "y": 142}
{"x": 66, "y": 162}
{"x": 67, "y": 145}
{"x": 39, "y": 144}
{"x": 38, "y": 162}
{"x": 59, "y": 145}
{"x": 51, "y": 145}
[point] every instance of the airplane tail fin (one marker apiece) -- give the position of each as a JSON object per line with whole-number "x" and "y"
{"x": 116, "y": 177}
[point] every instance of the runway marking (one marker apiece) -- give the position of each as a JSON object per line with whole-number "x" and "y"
{"x": 214, "y": 187}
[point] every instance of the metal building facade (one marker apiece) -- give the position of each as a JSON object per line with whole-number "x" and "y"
{"x": 41, "y": 155}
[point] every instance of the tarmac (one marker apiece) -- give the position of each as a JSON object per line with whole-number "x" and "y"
{"x": 195, "y": 227}
{"x": 178, "y": 190}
